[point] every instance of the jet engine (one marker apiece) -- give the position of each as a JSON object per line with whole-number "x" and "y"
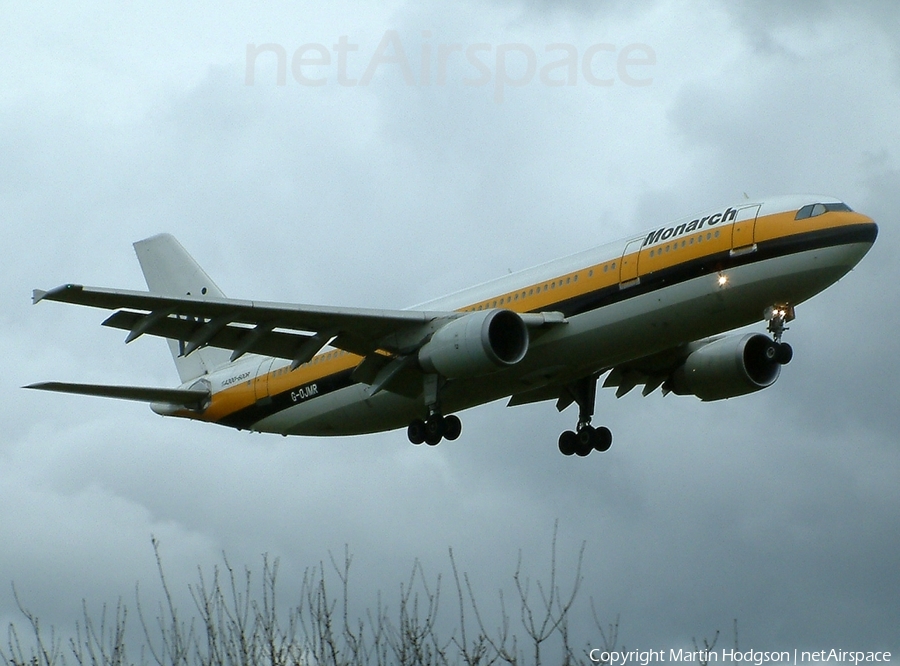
{"x": 728, "y": 367}
{"x": 476, "y": 344}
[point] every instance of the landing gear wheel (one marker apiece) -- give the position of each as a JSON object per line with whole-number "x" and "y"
{"x": 452, "y": 427}
{"x": 434, "y": 429}
{"x": 784, "y": 353}
{"x": 586, "y": 435}
{"x": 568, "y": 442}
{"x": 416, "y": 431}
{"x": 585, "y": 438}
{"x": 602, "y": 439}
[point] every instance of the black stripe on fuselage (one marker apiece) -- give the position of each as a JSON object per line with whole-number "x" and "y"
{"x": 244, "y": 418}
{"x": 649, "y": 282}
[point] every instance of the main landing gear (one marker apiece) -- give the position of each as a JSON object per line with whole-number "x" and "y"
{"x": 586, "y": 437}
{"x": 778, "y": 315}
{"x": 436, "y": 427}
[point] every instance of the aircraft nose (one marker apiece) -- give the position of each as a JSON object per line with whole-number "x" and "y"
{"x": 866, "y": 229}
{"x": 871, "y": 229}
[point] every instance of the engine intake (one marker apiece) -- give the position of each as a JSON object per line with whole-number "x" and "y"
{"x": 728, "y": 367}
{"x": 476, "y": 344}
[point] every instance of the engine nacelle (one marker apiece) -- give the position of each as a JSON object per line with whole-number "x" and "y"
{"x": 728, "y": 367}
{"x": 476, "y": 344}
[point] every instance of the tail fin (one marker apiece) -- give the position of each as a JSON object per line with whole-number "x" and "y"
{"x": 169, "y": 270}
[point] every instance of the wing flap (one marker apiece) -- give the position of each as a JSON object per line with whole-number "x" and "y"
{"x": 261, "y": 339}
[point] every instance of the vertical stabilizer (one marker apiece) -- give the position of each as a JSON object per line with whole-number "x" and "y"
{"x": 170, "y": 271}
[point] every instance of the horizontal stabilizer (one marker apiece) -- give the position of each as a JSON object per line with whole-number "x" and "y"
{"x": 189, "y": 398}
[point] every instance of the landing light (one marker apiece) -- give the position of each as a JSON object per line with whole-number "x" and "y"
{"x": 723, "y": 280}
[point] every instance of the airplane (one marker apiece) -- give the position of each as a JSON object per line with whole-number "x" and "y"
{"x": 654, "y": 309}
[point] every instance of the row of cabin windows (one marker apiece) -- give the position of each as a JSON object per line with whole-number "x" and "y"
{"x": 536, "y": 290}
{"x": 684, "y": 243}
{"x": 316, "y": 359}
{"x": 552, "y": 285}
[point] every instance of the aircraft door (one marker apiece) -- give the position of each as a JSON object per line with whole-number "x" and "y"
{"x": 743, "y": 231}
{"x": 628, "y": 265}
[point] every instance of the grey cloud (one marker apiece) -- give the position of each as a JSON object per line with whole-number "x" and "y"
{"x": 773, "y": 508}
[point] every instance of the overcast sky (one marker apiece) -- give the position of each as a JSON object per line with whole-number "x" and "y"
{"x": 779, "y": 509}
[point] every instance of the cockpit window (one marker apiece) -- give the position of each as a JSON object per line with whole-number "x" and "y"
{"x": 811, "y": 210}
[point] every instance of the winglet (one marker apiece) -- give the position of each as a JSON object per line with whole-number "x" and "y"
{"x": 54, "y": 294}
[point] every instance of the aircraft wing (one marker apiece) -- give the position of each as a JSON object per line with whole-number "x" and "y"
{"x": 283, "y": 330}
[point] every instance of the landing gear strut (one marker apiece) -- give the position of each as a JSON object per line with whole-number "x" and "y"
{"x": 436, "y": 427}
{"x": 778, "y": 315}
{"x": 586, "y": 437}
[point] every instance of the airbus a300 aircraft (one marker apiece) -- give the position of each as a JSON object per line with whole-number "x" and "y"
{"x": 649, "y": 310}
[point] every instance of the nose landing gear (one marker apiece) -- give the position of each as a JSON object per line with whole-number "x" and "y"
{"x": 778, "y": 315}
